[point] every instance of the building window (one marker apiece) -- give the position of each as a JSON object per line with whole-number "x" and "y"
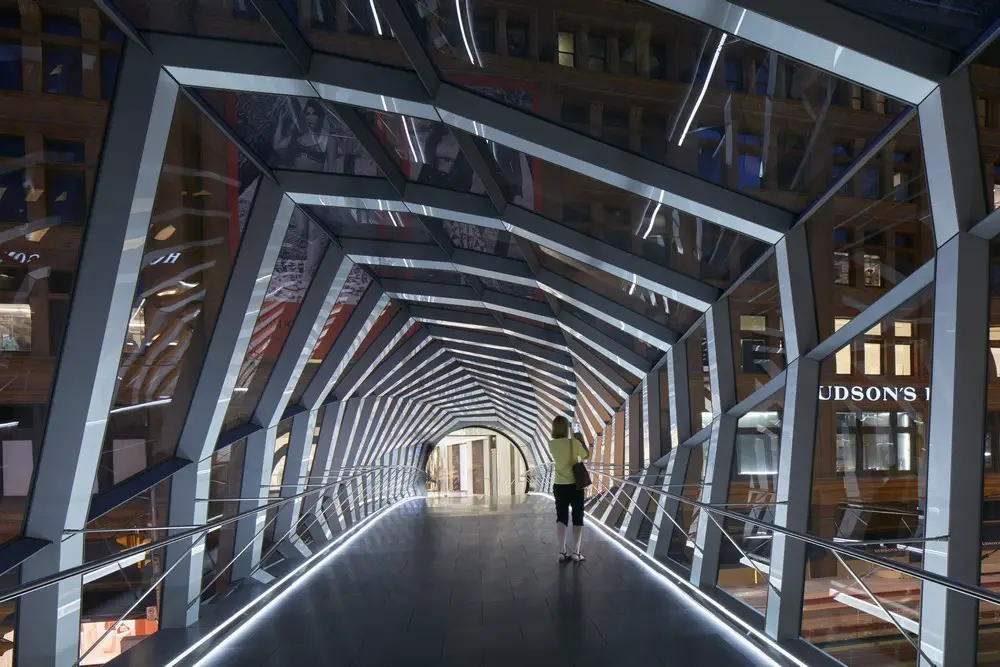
{"x": 13, "y": 196}
{"x": 880, "y": 106}
{"x": 657, "y": 60}
{"x": 10, "y": 65}
{"x": 626, "y": 56}
{"x": 567, "y": 49}
{"x": 64, "y": 27}
{"x": 995, "y": 349}
{"x": 597, "y": 53}
{"x": 517, "y": 39}
{"x": 841, "y": 268}
{"x": 753, "y": 323}
{"x": 64, "y": 151}
{"x": 868, "y": 183}
{"x": 901, "y": 186}
{"x": 857, "y": 97}
{"x": 873, "y": 358}
{"x": 983, "y": 107}
{"x": 734, "y": 74}
{"x": 846, "y": 441}
{"x": 63, "y": 67}
{"x": 762, "y": 77}
{"x": 754, "y": 355}
{"x": 575, "y": 113}
{"x": 903, "y": 356}
{"x": 485, "y": 33}
{"x": 15, "y": 327}
{"x": 709, "y": 164}
{"x": 109, "y": 74}
{"x": 873, "y": 270}
{"x": 66, "y": 195}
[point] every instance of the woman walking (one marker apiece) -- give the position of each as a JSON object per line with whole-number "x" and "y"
{"x": 566, "y": 451}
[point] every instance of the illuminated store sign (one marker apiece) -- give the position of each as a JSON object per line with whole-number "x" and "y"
{"x": 840, "y": 392}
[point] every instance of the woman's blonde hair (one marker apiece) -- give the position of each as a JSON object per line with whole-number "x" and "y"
{"x": 560, "y": 428}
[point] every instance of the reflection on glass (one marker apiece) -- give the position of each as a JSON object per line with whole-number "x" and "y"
{"x": 682, "y": 538}
{"x": 861, "y": 249}
{"x": 651, "y": 305}
{"x": 355, "y": 28}
{"x": 226, "y": 478}
{"x": 269, "y": 555}
{"x": 426, "y": 152}
{"x": 990, "y": 563}
{"x": 354, "y": 288}
{"x": 741, "y": 116}
{"x": 746, "y": 553}
{"x": 201, "y": 207}
{"x": 301, "y": 252}
{"x": 755, "y": 317}
{"x": 438, "y": 276}
{"x": 238, "y": 19}
{"x": 649, "y": 229}
{"x": 299, "y": 133}
{"x": 953, "y": 25}
{"x": 482, "y": 239}
{"x": 48, "y": 165}
{"x": 871, "y": 443}
{"x": 607, "y": 328}
{"x": 356, "y": 223}
{"x": 698, "y": 379}
{"x": 130, "y": 581}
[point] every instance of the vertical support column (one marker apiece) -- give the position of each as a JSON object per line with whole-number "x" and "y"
{"x": 949, "y": 621}
{"x": 719, "y": 465}
{"x": 265, "y": 230}
{"x": 676, "y": 468}
{"x": 48, "y": 620}
{"x": 293, "y": 482}
{"x": 783, "y": 615}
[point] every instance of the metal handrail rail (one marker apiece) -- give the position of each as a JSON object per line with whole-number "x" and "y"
{"x": 79, "y": 570}
{"x": 977, "y": 592}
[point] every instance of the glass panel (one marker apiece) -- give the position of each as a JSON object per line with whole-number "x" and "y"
{"x": 354, "y": 28}
{"x": 988, "y": 617}
{"x": 482, "y": 239}
{"x": 860, "y": 249}
{"x": 228, "y": 19}
{"x": 301, "y": 252}
{"x": 360, "y": 223}
{"x": 47, "y": 171}
{"x": 953, "y": 25}
{"x": 226, "y": 478}
{"x": 438, "y": 276}
{"x": 656, "y": 232}
{"x": 354, "y": 288}
{"x": 758, "y": 342}
{"x": 869, "y": 484}
{"x": 842, "y": 617}
{"x": 515, "y": 289}
{"x": 269, "y": 554}
{"x": 682, "y": 538}
{"x": 653, "y": 306}
{"x": 425, "y": 151}
{"x": 990, "y": 563}
{"x": 106, "y": 595}
{"x": 983, "y": 72}
{"x": 698, "y": 379}
{"x": 201, "y": 205}
{"x": 744, "y": 561}
{"x": 604, "y": 326}
{"x": 299, "y": 133}
{"x": 741, "y": 115}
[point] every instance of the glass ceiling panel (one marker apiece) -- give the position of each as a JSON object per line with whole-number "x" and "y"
{"x": 347, "y": 27}
{"x": 228, "y": 20}
{"x": 873, "y": 233}
{"x": 515, "y": 289}
{"x": 953, "y": 24}
{"x": 354, "y": 287}
{"x": 359, "y": 223}
{"x": 301, "y": 252}
{"x": 287, "y": 132}
{"x": 482, "y": 239}
{"x": 656, "y": 232}
{"x": 459, "y": 309}
{"x": 646, "y": 351}
{"x": 425, "y": 151}
{"x": 421, "y": 275}
{"x": 687, "y": 95}
{"x": 651, "y": 305}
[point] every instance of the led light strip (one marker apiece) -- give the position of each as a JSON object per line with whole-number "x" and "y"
{"x": 671, "y": 578}
{"x": 328, "y": 552}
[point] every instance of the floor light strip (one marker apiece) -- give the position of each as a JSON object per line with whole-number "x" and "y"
{"x": 684, "y": 586}
{"x": 327, "y": 552}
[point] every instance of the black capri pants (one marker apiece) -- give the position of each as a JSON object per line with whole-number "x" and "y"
{"x": 566, "y": 495}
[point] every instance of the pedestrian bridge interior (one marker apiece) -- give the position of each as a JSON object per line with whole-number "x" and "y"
{"x": 291, "y": 292}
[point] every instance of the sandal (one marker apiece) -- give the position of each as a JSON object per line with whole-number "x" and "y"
{"x": 564, "y": 556}
{"x": 577, "y": 557}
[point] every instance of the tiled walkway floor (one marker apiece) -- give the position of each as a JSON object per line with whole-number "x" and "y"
{"x": 465, "y": 582}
